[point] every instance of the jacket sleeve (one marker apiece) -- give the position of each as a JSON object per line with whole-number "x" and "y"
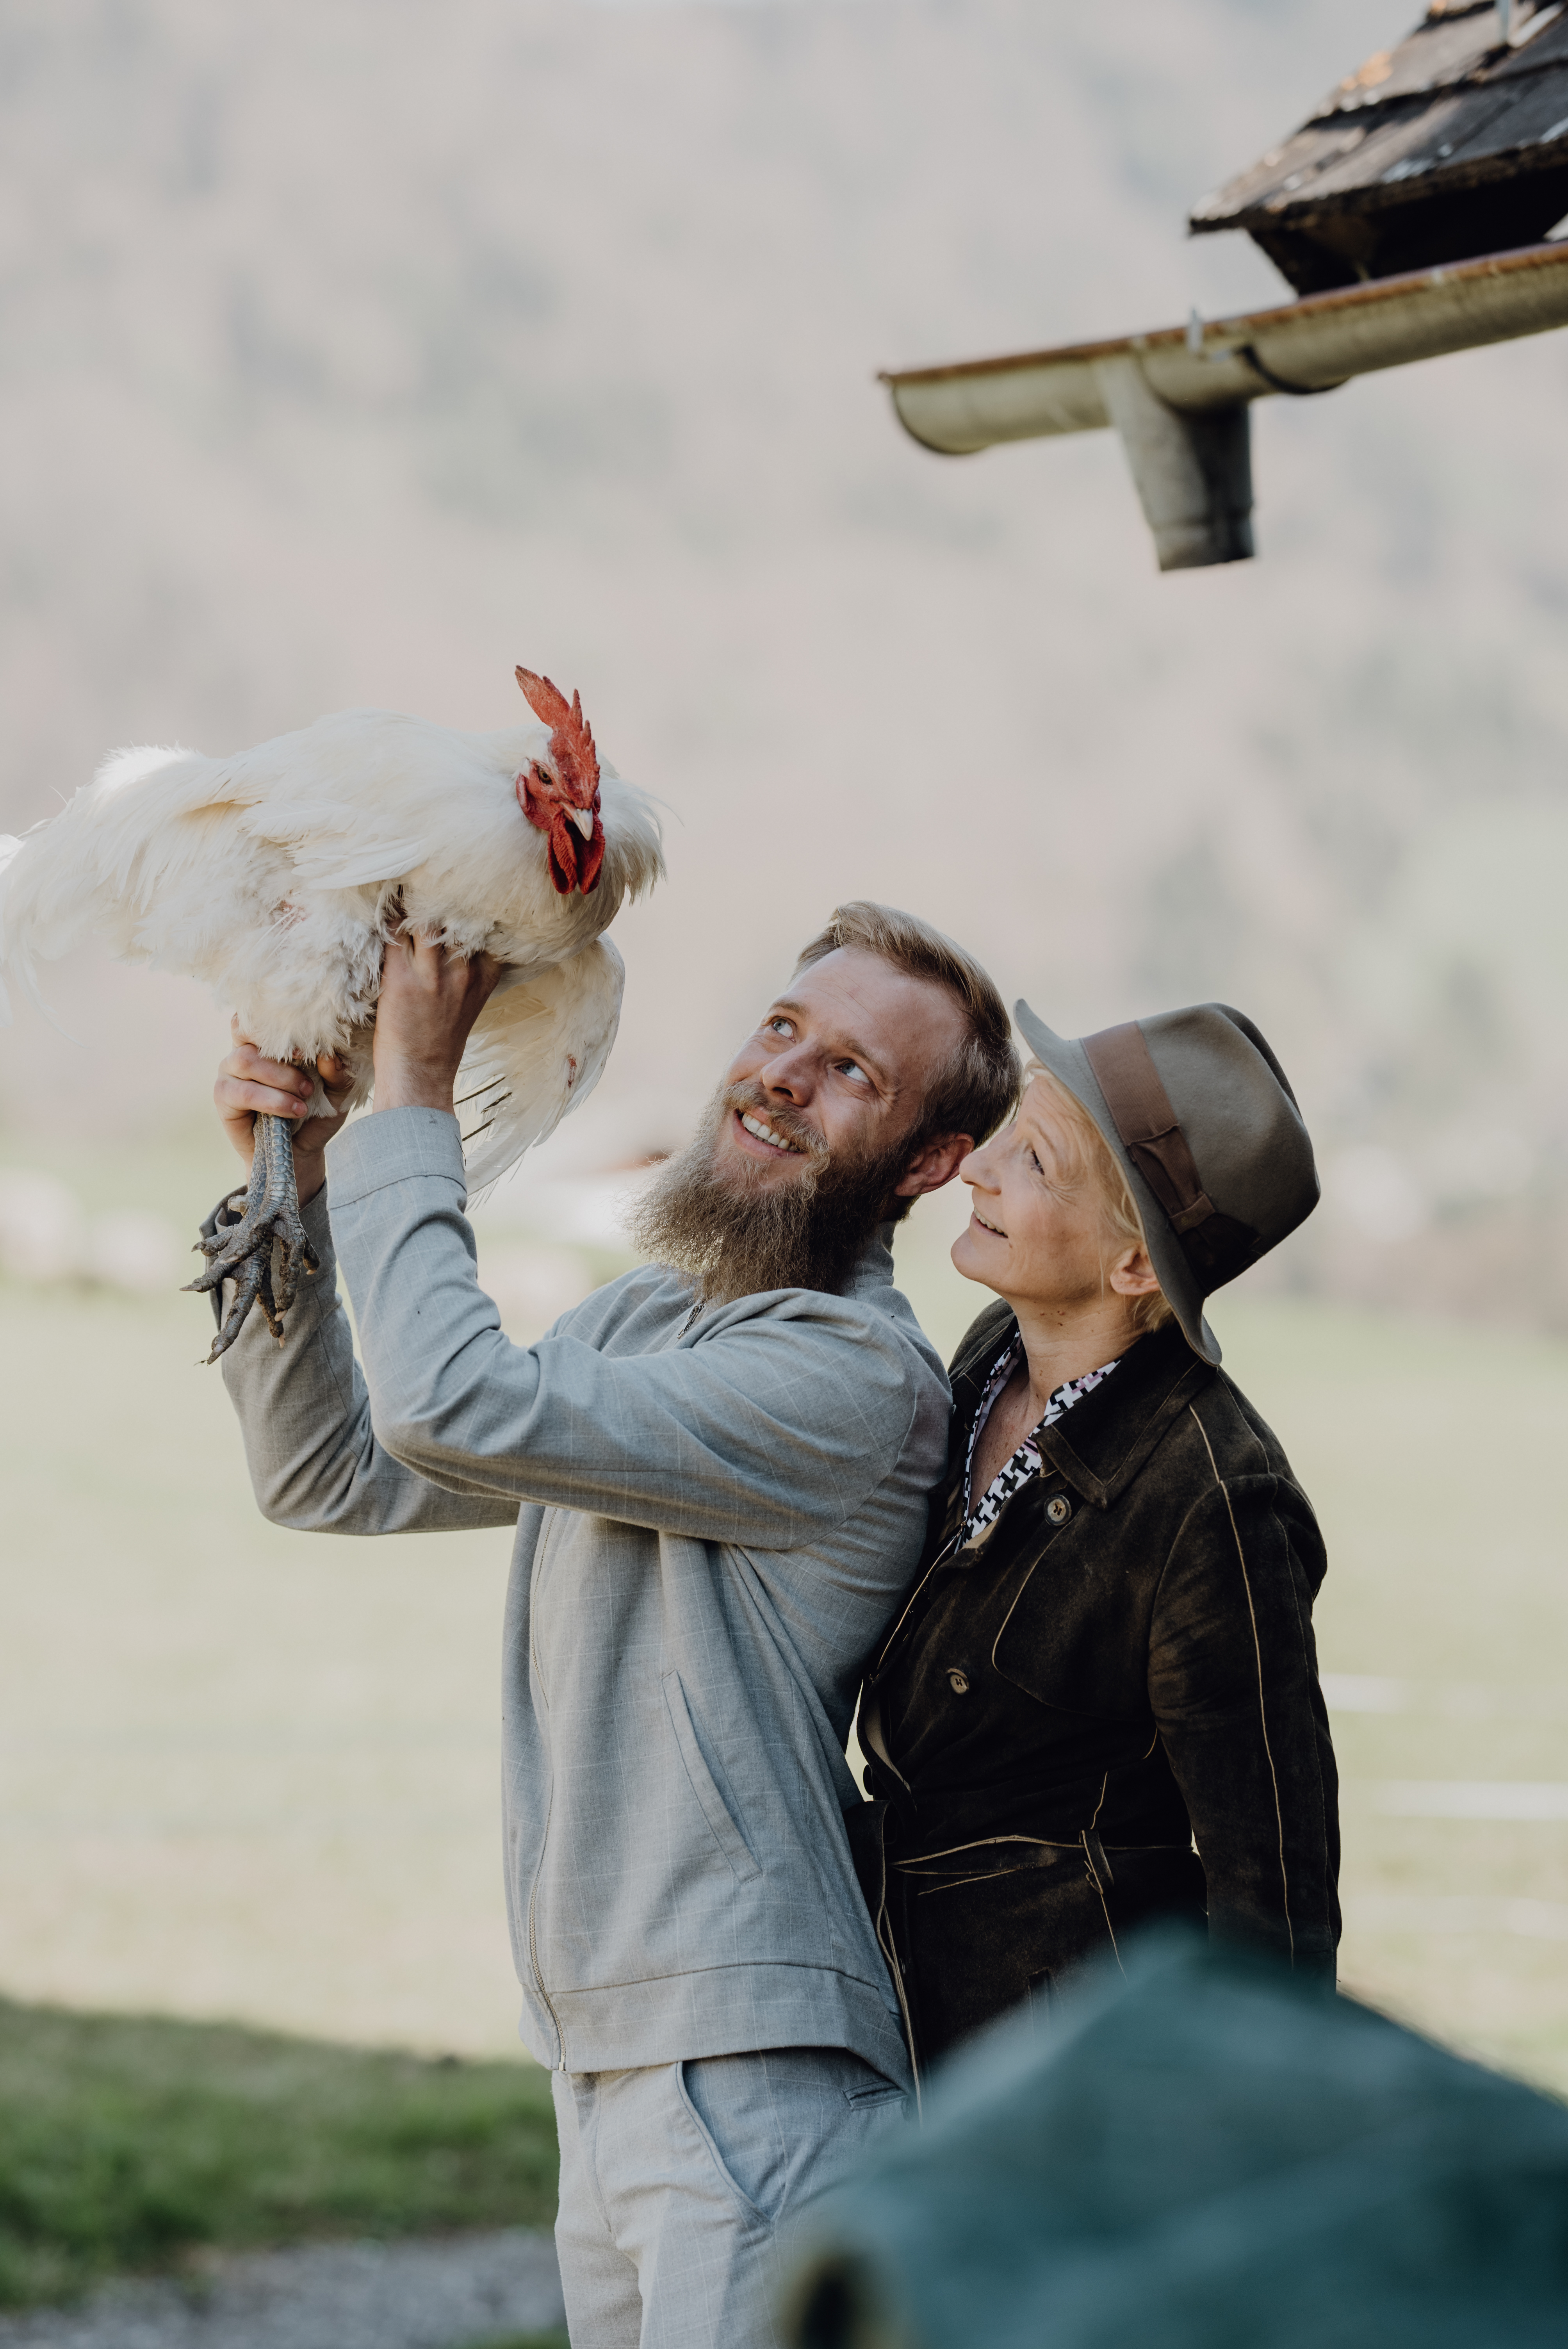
{"x": 1233, "y": 1679}
{"x": 764, "y": 1426}
{"x": 305, "y": 1415}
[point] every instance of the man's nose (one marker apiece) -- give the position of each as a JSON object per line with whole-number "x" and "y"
{"x": 791, "y": 1074}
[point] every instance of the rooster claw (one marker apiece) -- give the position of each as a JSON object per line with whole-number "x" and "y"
{"x": 270, "y": 1225}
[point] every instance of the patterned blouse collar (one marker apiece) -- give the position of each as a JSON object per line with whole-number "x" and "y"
{"x": 1026, "y": 1463}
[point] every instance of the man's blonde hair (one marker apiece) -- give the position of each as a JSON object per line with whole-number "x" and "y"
{"x": 1087, "y": 1159}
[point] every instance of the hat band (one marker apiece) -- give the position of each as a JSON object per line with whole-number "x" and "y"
{"x": 1152, "y": 1138}
{"x": 1151, "y": 1131}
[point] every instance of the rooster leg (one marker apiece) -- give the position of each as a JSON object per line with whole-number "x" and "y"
{"x": 269, "y": 1304}
{"x": 247, "y": 1288}
{"x": 240, "y": 1204}
{"x": 243, "y": 1252}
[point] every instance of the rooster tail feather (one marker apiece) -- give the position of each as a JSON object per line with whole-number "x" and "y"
{"x": 19, "y": 926}
{"x": 542, "y": 1043}
{"x": 86, "y": 867}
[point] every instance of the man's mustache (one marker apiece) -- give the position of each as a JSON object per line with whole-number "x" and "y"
{"x": 720, "y": 1220}
{"x": 749, "y": 1099}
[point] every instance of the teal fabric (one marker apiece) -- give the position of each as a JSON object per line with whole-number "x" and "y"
{"x": 1208, "y": 2154}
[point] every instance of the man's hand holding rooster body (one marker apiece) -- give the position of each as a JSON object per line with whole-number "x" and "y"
{"x": 430, "y": 1002}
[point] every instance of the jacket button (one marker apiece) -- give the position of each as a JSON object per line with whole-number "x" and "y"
{"x": 958, "y": 1683}
{"x": 1058, "y": 1508}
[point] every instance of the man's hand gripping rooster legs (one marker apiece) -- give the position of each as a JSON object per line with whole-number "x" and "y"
{"x": 263, "y": 1104}
{"x": 430, "y": 1002}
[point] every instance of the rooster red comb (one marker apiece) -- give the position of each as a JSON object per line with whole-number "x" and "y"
{"x": 571, "y": 735}
{"x": 566, "y": 804}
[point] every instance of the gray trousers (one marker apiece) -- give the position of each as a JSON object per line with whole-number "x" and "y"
{"x": 678, "y": 2181}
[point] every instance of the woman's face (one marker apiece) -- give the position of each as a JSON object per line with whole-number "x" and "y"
{"x": 1036, "y": 1232}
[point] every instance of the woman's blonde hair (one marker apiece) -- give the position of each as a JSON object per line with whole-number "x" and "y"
{"x": 1087, "y": 1159}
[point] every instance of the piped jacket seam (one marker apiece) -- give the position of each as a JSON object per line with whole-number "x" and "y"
{"x": 368, "y": 1189}
{"x": 1263, "y": 1702}
{"x": 1310, "y": 1668}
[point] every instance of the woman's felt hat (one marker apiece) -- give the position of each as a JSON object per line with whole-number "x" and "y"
{"x": 1201, "y": 1117}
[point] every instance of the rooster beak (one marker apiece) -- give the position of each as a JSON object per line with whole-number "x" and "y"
{"x": 584, "y": 819}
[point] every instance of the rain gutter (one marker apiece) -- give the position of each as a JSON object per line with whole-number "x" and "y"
{"x": 1180, "y": 395}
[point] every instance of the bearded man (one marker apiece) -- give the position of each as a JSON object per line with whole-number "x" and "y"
{"x": 718, "y": 1468}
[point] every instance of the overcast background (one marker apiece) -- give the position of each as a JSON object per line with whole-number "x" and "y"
{"x": 351, "y": 352}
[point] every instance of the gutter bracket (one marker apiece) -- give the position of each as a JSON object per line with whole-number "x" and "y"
{"x": 1193, "y": 469}
{"x": 1279, "y": 383}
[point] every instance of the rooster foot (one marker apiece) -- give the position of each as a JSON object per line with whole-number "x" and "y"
{"x": 270, "y": 1225}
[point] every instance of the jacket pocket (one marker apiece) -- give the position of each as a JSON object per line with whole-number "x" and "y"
{"x": 716, "y": 1810}
{"x": 545, "y": 1541}
{"x": 1076, "y": 1636}
{"x": 752, "y": 2213}
{"x": 872, "y": 2097}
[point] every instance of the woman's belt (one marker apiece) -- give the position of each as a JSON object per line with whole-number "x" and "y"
{"x": 986, "y": 1854}
{"x": 1003, "y": 1854}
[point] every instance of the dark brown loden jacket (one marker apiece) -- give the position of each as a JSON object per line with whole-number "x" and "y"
{"x": 1124, "y": 1667}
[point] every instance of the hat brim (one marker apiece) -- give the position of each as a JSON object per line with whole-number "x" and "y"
{"x": 1067, "y": 1061}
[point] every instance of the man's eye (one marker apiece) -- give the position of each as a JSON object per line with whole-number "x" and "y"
{"x": 853, "y": 1069}
{"x": 780, "y": 1028}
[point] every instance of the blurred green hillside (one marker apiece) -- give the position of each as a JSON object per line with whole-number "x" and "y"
{"x": 353, "y": 369}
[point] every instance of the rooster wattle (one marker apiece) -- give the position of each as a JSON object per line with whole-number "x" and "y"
{"x": 278, "y": 874}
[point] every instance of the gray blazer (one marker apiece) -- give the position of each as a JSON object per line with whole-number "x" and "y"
{"x": 714, "y": 1522}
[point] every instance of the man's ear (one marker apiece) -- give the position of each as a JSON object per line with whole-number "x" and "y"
{"x": 934, "y": 1166}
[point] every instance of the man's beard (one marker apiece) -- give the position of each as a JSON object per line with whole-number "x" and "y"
{"x": 737, "y": 1233}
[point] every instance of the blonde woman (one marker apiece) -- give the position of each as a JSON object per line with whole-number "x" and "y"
{"x": 1098, "y": 1702}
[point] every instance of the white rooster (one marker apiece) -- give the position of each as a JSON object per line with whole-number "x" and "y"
{"x": 277, "y": 875}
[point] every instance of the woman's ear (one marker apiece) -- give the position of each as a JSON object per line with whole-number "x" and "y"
{"x": 1132, "y": 1275}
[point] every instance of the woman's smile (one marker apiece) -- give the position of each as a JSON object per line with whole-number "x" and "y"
{"x": 985, "y": 1226}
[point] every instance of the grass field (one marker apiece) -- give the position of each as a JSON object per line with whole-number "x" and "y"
{"x": 251, "y": 1777}
{"x": 130, "y": 2143}
{"x": 1432, "y": 1454}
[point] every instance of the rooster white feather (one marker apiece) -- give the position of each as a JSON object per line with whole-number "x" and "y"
{"x": 278, "y": 874}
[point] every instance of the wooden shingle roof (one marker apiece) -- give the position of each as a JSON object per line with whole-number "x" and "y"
{"x": 1454, "y": 144}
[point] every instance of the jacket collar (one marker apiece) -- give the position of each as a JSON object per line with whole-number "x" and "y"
{"x": 872, "y": 1268}
{"x": 1103, "y": 1442}
{"x": 983, "y": 1344}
